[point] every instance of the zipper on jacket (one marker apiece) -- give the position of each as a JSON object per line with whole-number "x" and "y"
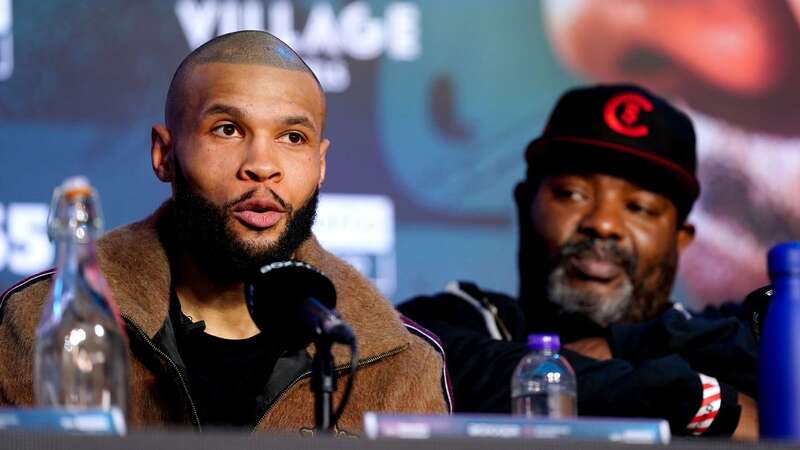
{"x": 338, "y": 370}
{"x": 143, "y": 335}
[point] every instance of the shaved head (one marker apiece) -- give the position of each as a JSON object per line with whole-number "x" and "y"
{"x": 241, "y": 47}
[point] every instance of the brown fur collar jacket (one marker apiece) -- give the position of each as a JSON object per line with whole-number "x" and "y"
{"x": 400, "y": 369}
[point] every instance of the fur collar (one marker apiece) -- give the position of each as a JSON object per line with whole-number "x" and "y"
{"x": 135, "y": 263}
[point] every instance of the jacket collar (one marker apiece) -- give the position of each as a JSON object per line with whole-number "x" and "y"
{"x": 136, "y": 266}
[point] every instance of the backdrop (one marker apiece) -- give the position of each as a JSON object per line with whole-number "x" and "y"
{"x": 431, "y": 104}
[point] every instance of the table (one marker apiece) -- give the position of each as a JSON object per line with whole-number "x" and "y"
{"x": 187, "y": 440}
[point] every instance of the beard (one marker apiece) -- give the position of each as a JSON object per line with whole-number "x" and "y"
{"x": 633, "y": 301}
{"x": 605, "y": 310}
{"x": 204, "y": 231}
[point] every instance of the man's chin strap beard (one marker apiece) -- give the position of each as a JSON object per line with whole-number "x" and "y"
{"x": 221, "y": 255}
{"x": 202, "y": 230}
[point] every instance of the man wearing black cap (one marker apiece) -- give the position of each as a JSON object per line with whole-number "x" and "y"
{"x": 602, "y": 213}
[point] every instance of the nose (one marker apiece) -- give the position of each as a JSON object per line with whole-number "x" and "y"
{"x": 261, "y": 162}
{"x": 603, "y": 220}
{"x": 732, "y": 49}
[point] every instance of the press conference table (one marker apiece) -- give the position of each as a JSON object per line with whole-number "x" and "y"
{"x": 234, "y": 441}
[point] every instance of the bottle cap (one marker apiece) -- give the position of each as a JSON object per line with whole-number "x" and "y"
{"x": 544, "y": 342}
{"x": 75, "y": 211}
{"x": 784, "y": 258}
{"x": 77, "y": 186}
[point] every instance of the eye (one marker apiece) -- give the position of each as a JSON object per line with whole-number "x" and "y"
{"x": 226, "y": 130}
{"x": 642, "y": 208}
{"x": 294, "y": 138}
{"x": 568, "y": 193}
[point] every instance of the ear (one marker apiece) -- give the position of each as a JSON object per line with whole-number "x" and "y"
{"x": 323, "y": 153}
{"x": 162, "y": 153}
{"x": 685, "y": 236}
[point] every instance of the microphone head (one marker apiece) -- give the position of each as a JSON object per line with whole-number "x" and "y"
{"x": 275, "y": 297}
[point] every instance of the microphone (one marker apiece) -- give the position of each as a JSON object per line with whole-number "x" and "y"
{"x": 754, "y": 309}
{"x": 297, "y": 301}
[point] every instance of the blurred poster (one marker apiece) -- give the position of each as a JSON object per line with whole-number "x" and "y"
{"x": 431, "y": 104}
{"x": 6, "y": 40}
{"x": 732, "y": 65}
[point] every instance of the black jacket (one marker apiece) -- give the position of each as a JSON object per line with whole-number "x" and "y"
{"x": 654, "y": 372}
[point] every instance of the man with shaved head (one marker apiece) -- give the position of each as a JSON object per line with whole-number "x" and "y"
{"x": 243, "y": 149}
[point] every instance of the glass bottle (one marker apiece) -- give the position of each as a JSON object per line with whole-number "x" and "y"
{"x": 81, "y": 358}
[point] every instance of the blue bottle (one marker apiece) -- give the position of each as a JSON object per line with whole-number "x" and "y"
{"x": 779, "y": 357}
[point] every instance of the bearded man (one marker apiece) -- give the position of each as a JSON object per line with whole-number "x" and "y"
{"x": 243, "y": 149}
{"x": 603, "y": 218}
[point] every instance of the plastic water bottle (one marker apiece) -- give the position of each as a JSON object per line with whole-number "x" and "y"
{"x": 779, "y": 357}
{"x": 543, "y": 384}
{"x": 81, "y": 356}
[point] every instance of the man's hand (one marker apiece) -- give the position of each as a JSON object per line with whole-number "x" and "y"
{"x": 593, "y": 347}
{"x": 747, "y": 430}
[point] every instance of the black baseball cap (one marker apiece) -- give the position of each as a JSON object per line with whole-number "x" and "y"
{"x": 624, "y": 130}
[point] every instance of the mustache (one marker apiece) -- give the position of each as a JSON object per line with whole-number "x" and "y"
{"x": 602, "y": 249}
{"x": 251, "y": 193}
{"x": 184, "y": 185}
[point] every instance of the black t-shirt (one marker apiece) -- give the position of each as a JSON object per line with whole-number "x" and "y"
{"x": 227, "y": 377}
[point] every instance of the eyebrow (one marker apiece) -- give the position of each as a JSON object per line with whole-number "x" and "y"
{"x": 299, "y": 120}
{"x": 218, "y": 108}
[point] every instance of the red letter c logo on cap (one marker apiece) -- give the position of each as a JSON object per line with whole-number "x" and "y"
{"x": 622, "y": 112}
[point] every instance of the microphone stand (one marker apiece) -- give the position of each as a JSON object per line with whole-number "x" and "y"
{"x": 311, "y": 300}
{"x": 323, "y": 383}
